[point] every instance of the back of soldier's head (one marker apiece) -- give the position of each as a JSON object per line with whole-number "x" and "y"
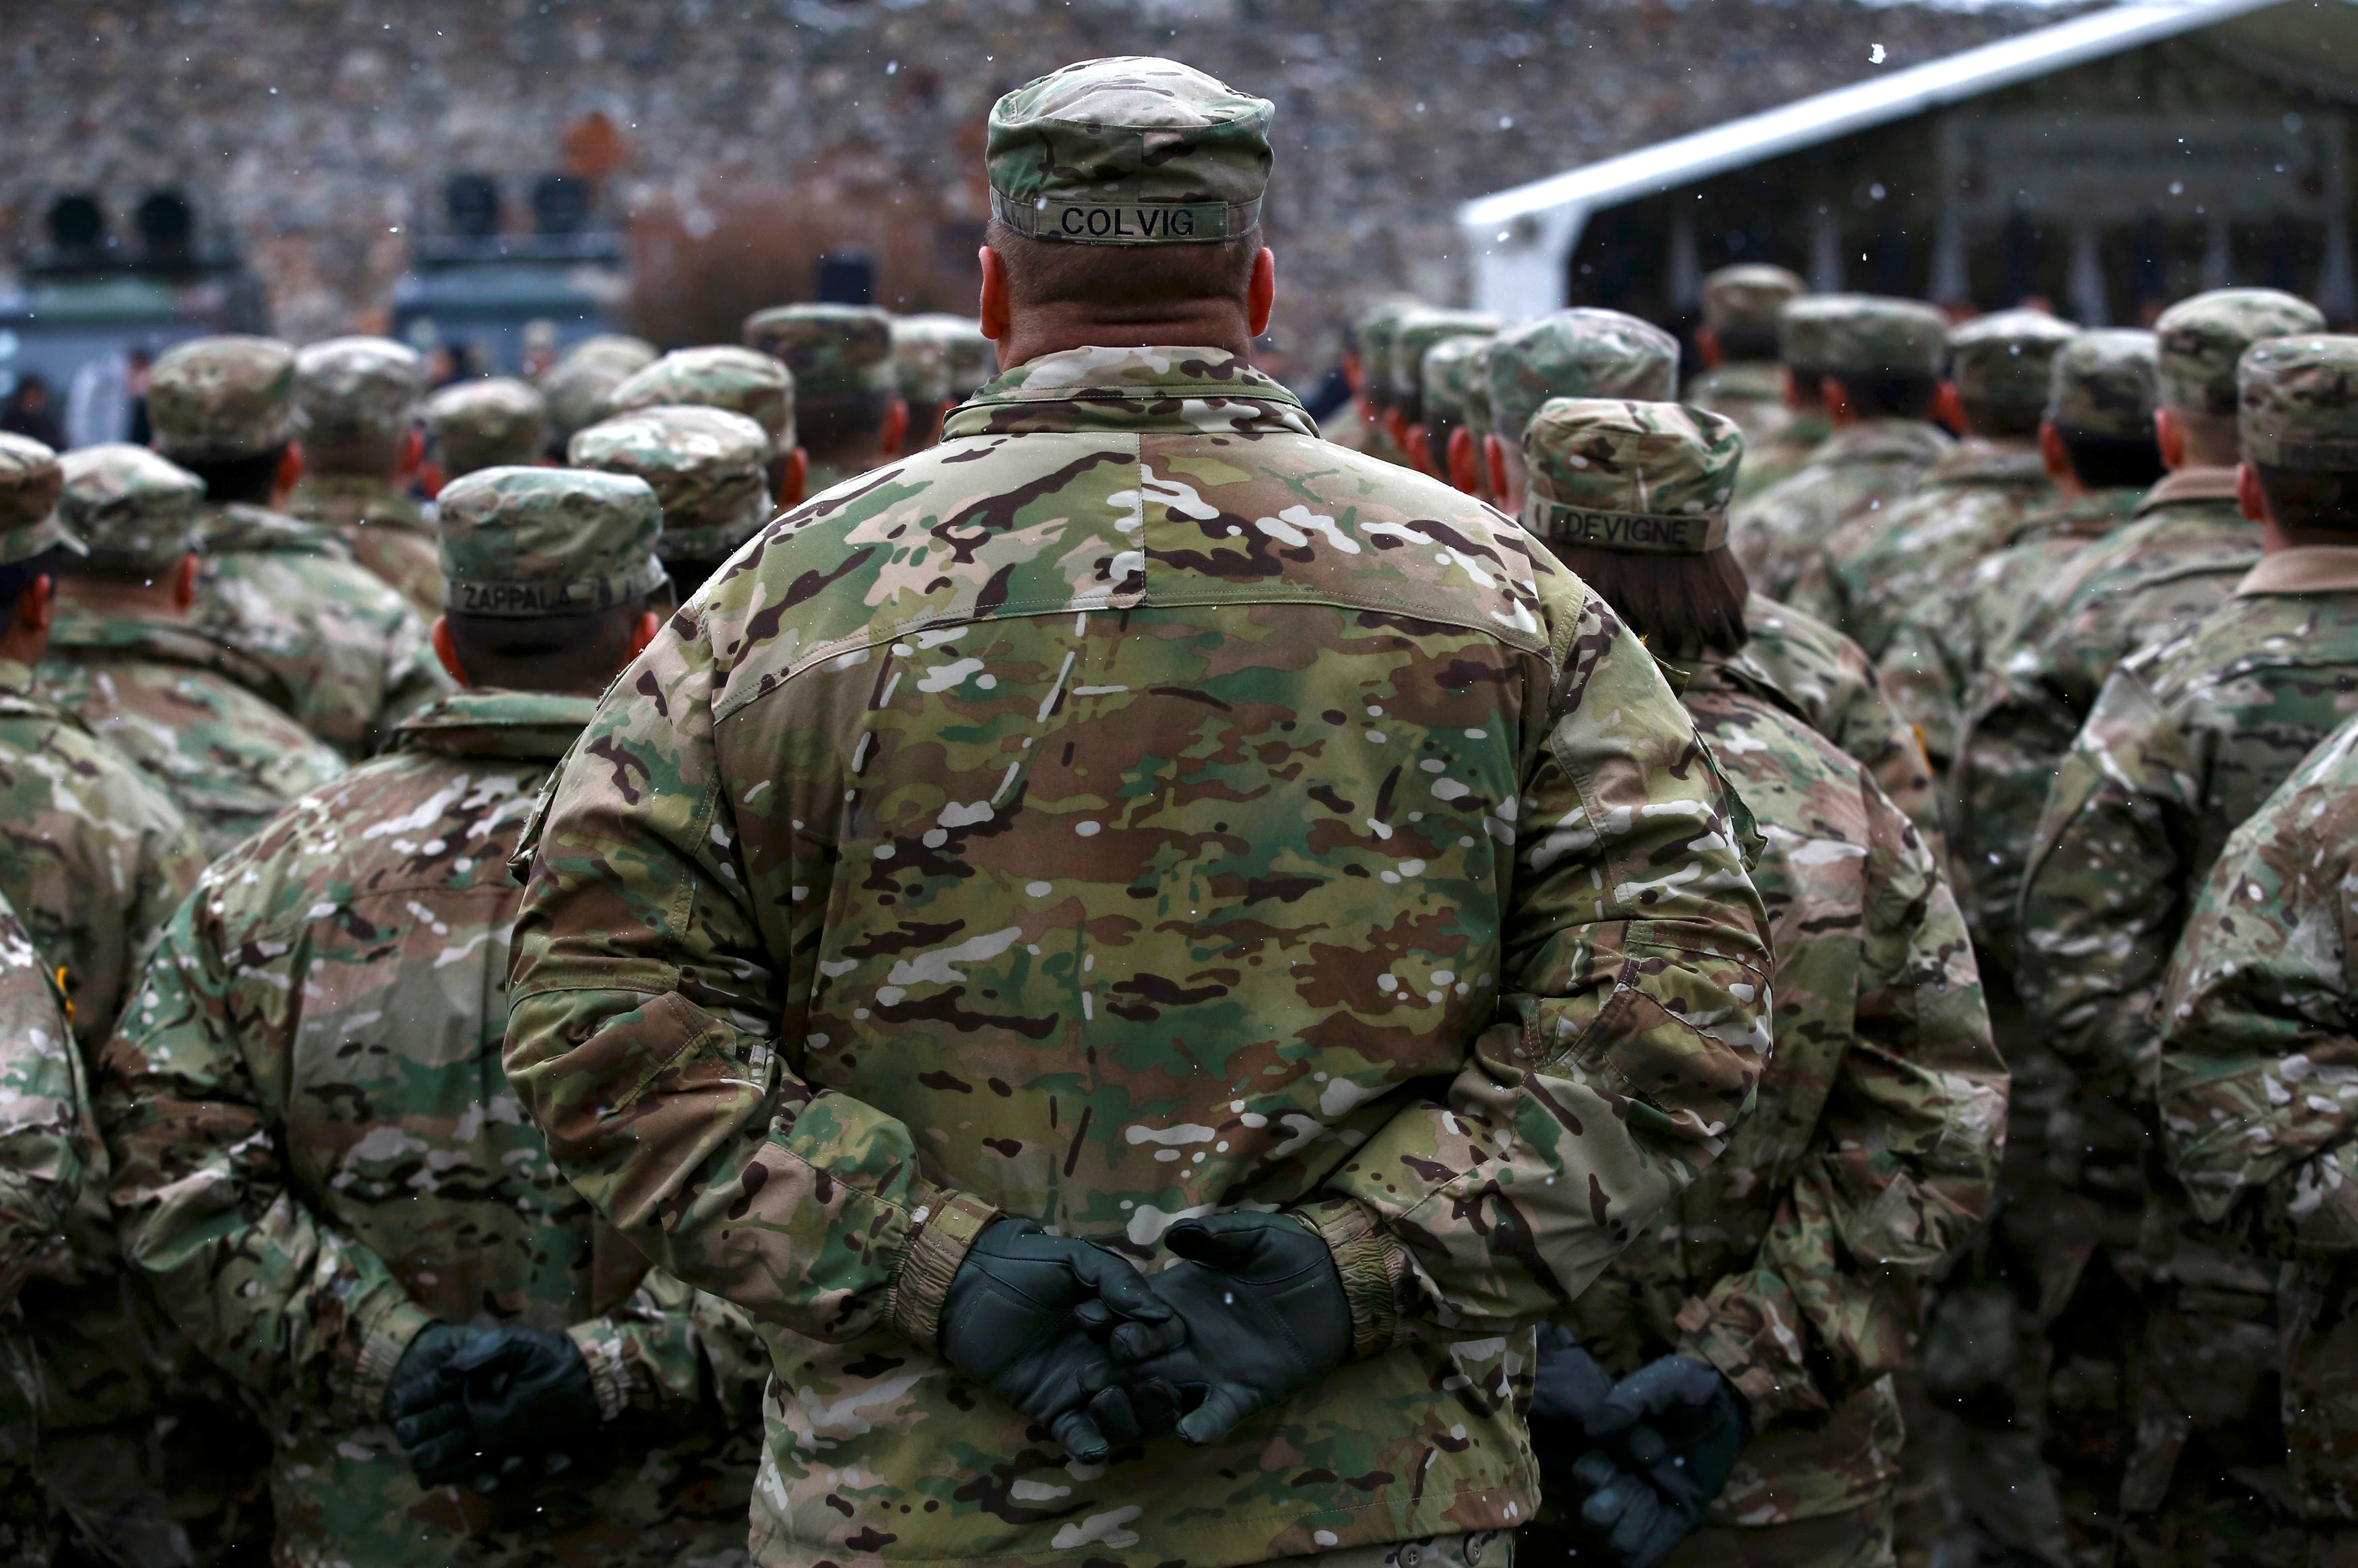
{"x": 708, "y": 469}
{"x": 1632, "y": 496}
{"x": 223, "y": 408}
{"x": 1885, "y": 353}
{"x": 1446, "y": 389}
{"x": 1739, "y": 308}
{"x": 973, "y": 359}
{"x": 718, "y": 376}
{"x": 546, "y": 572}
{"x": 356, "y": 403}
{"x": 921, "y": 366}
{"x": 136, "y": 511}
{"x": 577, "y": 386}
{"x": 1371, "y": 338}
{"x": 1580, "y": 352}
{"x": 2002, "y": 364}
{"x": 2201, "y": 340}
{"x": 1125, "y": 189}
{"x": 1417, "y": 332}
{"x": 34, "y": 537}
{"x": 475, "y": 424}
{"x": 2100, "y": 402}
{"x": 845, "y": 385}
{"x": 2298, "y": 419}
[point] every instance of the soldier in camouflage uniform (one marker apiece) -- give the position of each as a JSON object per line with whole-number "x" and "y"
{"x": 1604, "y": 353}
{"x": 2176, "y": 558}
{"x": 1366, "y": 364}
{"x": 1881, "y": 360}
{"x": 356, "y": 407}
{"x": 577, "y": 387}
{"x": 742, "y": 381}
{"x": 1881, "y": 564}
{"x": 320, "y": 1167}
{"x": 707, "y": 467}
{"x": 1449, "y": 388}
{"x": 1417, "y": 334}
{"x": 1800, "y": 347}
{"x": 347, "y": 654}
{"x": 45, "y": 1136}
{"x": 921, "y": 365}
{"x": 1742, "y": 377}
{"x": 1097, "y": 819}
{"x": 126, "y": 659}
{"x": 1793, "y": 1267}
{"x": 848, "y": 406}
{"x": 2185, "y": 741}
{"x": 1985, "y": 1356}
{"x": 488, "y": 423}
{"x": 2256, "y": 1103}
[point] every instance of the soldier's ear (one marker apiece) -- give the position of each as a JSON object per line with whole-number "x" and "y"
{"x": 2054, "y": 456}
{"x": 448, "y": 652}
{"x": 1493, "y": 457}
{"x": 2170, "y": 436}
{"x": 1948, "y": 407}
{"x": 184, "y": 582}
{"x": 643, "y": 633}
{"x": 413, "y": 451}
{"x": 895, "y": 432}
{"x": 790, "y": 478}
{"x": 37, "y": 606}
{"x": 291, "y": 468}
{"x": 1260, "y": 294}
{"x": 994, "y": 297}
{"x": 2251, "y": 496}
{"x": 1463, "y": 473}
{"x": 1707, "y": 347}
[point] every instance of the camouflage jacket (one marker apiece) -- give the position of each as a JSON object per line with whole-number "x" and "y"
{"x": 45, "y": 1126}
{"x": 184, "y": 709}
{"x": 96, "y": 855}
{"x": 317, "y": 1153}
{"x": 347, "y": 651}
{"x": 2177, "y": 558}
{"x": 1933, "y": 670}
{"x": 1136, "y": 806}
{"x": 1879, "y": 565}
{"x": 2258, "y": 1101}
{"x": 385, "y": 529}
{"x": 2184, "y": 743}
{"x": 1827, "y": 678}
{"x": 1781, "y": 455}
{"x": 1795, "y": 1264}
{"x": 1863, "y": 467}
{"x": 1751, "y": 393}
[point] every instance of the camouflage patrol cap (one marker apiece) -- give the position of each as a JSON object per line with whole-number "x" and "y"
{"x": 526, "y": 542}
{"x": 974, "y": 359}
{"x": 484, "y": 424}
{"x": 838, "y": 352}
{"x": 1746, "y": 297}
{"x": 720, "y": 375}
{"x": 2300, "y": 402}
{"x": 2007, "y": 356}
{"x": 1419, "y": 331}
{"x": 1862, "y": 334}
{"x": 921, "y": 361}
{"x": 577, "y": 386}
{"x": 1610, "y": 473}
{"x": 131, "y": 507}
{"x": 1131, "y": 150}
{"x": 30, "y": 482}
{"x": 217, "y": 399}
{"x": 618, "y": 348}
{"x": 2103, "y": 385}
{"x": 709, "y": 468}
{"x": 348, "y": 389}
{"x": 1371, "y": 335}
{"x": 1448, "y": 379}
{"x": 2203, "y": 337}
{"x": 1581, "y": 352}
{"x": 1478, "y": 385}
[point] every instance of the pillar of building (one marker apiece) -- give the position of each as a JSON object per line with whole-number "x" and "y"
{"x": 1825, "y": 253}
{"x": 2087, "y": 275}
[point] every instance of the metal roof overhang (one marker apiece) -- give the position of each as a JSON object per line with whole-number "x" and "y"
{"x": 1519, "y": 238}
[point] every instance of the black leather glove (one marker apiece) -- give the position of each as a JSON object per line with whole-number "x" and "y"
{"x": 1680, "y": 1420}
{"x": 416, "y": 1376}
{"x": 1568, "y": 1391}
{"x": 1265, "y": 1315}
{"x": 1637, "y": 1520}
{"x": 511, "y": 1393}
{"x": 1026, "y": 1316}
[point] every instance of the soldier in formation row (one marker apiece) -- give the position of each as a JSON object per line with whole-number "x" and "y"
{"x": 1129, "y": 984}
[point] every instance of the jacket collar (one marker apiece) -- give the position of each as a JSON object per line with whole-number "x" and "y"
{"x": 1977, "y": 460}
{"x": 237, "y": 527}
{"x": 166, "y": 640}
{"x": 2304, "y": 569}
{"x": 374, "y": 502}
{"x": 2085, "y": 516}
{"x": 1184, "y": 390}
{"x": 2190, "y": 484}
{"x": 1884, "y": 441}
{"x": 537, "y": 726}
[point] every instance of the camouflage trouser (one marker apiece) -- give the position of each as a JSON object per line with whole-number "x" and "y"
{"x": 1860, "y": 1537}
{"x": 1476, "y": 1549}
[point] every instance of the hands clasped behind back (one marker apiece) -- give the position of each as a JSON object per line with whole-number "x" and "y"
{"x": 1075, "y": 1337}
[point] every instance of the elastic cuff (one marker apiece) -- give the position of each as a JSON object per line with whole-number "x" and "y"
{"x": 1374, "y": 1267}
{"x": 947, "y": 1222}
{"x": 610, "y": 1370}
{"x": 1770, "y": 1389}
{"x": 384, "y": 1337}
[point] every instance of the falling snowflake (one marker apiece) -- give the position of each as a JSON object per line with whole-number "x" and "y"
{"x": 1874, "y": 54}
